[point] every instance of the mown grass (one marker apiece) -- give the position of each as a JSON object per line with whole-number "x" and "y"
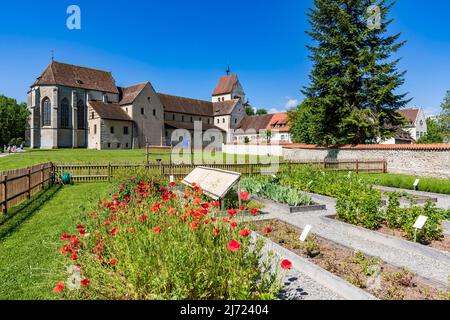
{"x": 407, "y": 182}
{"x": 30, "y": 262}
{"x": 73, "y": 156}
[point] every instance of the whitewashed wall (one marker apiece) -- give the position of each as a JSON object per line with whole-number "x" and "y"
{"x": 254, "y": 150}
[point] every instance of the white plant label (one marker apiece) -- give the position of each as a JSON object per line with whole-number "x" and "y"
{"x": 420, "y": 222}
{"x": 416, "y": 183}
{"x": 172, "y": 180}
{"x": 305, "y": 233}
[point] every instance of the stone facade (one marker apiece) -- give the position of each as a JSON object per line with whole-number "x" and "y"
{"x": 421, "y": 160}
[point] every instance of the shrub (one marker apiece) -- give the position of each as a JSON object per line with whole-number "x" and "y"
{"x": 151, "y": 242}
{"x": 432, "y": 230}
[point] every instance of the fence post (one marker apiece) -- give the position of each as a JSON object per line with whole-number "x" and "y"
{"x": 42, "y": 176}
{"x": 29, "y": 183}
{"x": 384, "y": 166}
{"x": 357, "y": 166}
{"x": 109, "y": 172}
{"x": 5, "y": 192}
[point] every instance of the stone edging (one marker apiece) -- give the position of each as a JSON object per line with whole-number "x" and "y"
{"x": 316, "y": 273}
{"x": 390, "y": 240}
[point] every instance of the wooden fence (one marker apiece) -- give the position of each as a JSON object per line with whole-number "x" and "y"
{"x": 106, "y": 172}
{"x": 20, "y": 184}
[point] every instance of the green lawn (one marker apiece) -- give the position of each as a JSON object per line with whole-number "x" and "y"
{"x": 74, "y": 156}
{"x": 30, "y": 262}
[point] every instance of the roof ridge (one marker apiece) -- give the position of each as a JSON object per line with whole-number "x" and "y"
{"x": 194, "y": 99}
{"x": 78, "y": 66}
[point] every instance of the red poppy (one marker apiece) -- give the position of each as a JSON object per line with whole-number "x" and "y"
{"x": 143, "y": 218}
{"x": 197, "y": 200}
{"x": 205, "y": 205}
{"x": 194, "y": 225}
{"x": 113, "y": 262}
{"x": 156, "y": 230}
{"x": 254, "y": 211}
{"x": 242, "y": 208}
{"x": 83, "y": 233}
{"x": 114, "y": 231}
{"x": 59, "y": 287}
{"x": 74, "y": 257}
{"x": 172, "y": 184}
{"x": 85, "y": 282}
{"x": 107, "y": 223}
{"x": 232, "y": 211}
{"x": 171, "y": 211}
{"x": 65, "y": 237}
{"x": 268, "y": 230}
{"x": 244, "y": 233}
{"x": 216, "y": 204}
{"x": 245, "y": 195}
{"x": 286, "y": 264}
{"x": 233, "y": 246}
{"x": 65, "y": 250}
{"x": 233, "y": 225}
{"x": 80, "y": 227}
{"x": 216, "y": 232}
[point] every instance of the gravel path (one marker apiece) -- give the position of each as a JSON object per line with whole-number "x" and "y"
{"x": 298, "y": 286}
{"x": 427, "y": 267}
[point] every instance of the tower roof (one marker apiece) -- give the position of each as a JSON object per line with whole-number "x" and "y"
{"x": 225, "y": 85}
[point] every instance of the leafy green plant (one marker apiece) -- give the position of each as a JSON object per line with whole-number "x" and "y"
{"x": 432, "y": 230}
{"x": 311, "y": 246}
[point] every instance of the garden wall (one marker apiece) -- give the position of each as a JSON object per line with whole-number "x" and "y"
{"x": 421, "y": 160}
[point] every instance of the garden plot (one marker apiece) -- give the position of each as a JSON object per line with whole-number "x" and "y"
{"x": 408, "y": 199}
{"x": 371, "y": 274}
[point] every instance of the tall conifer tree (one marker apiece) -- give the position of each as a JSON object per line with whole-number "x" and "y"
{"x": 353, "y": 92}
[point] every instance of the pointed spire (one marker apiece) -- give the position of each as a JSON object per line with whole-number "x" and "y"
{"x": 53, "y": 55}
{"x": 228, "y": 70}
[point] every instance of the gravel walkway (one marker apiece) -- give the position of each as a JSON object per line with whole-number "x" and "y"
{"x": 433, "y": 269}
{"x": 298, "y": 286}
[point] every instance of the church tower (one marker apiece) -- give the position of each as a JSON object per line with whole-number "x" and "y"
{"x": 228, "y": 88}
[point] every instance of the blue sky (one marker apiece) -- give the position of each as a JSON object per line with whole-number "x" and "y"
{"x": 183, "y": 47}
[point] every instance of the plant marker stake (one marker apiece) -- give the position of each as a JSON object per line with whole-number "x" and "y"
{"x": 305, "y": 233}
{"x": 416, "y": 184}
{"x": 172, "y": 180}
{"x": 420, "y": 222}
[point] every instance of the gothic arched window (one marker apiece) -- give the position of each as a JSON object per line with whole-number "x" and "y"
{"x": 46, "y": 112}
{"x": 81, "y": 117}
{"x": 65, "y": 119}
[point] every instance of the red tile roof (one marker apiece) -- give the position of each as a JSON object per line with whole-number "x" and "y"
{"x": 225, "y": 85}
{"x": 190, "y": 125}
{"x": 410, "y": 115}
{"x": 129, "y": 94}
{"x": 279, "y": 122}
{"x": 186, "y": 105}
{"x": 435, "y": 146}
{"x": 77, "y": 77}
{"x": 255, "y": 123}
{"x": 109, "y": 111}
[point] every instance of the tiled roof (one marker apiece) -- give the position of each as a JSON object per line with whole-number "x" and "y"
{"x": 129, "y": 94}
{"x": 435, "y": 146}
{"x": 225, "y": 85}
{"x": 410, "y": 115}
{"x": 77, "y": 77}
{"x": 279, "y": 122}
{"x": 190, "y": 125}
{"x": 256, "y": 123}
{"x": 109, "y": 111}
{"x": 224, "y": 108}
{"x": 186, "y": 105}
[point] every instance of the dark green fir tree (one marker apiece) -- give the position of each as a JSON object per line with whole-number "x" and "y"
{"x": 353, "y": 94}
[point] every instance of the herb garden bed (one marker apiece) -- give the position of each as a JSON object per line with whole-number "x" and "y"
{"x": 443, "y": 245}
{"x": 285, "y": 208}
{"x": 407, "y": 198}
{"x": 371, "y": 274}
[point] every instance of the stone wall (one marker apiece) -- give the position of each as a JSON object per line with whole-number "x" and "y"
{"x": 421, "y": 160}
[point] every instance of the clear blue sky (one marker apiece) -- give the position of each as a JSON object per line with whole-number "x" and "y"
{"x": 183, "y": 47}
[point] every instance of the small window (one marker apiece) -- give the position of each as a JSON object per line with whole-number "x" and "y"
{"x": 126, "y": 145}
{"x": 192, "y": 119}
{"x": 223, "y": 120}
{"x": 95, "y": 129}
{"x": 119, "y": 145}
{"x": 125, "y": 130}
{"x": 235, "y": 121}
{"x": 182, "y": 118}
{"x": 92, "y": 115}
{"x": 173, "y": 117}
{"x": 126, "y": 110}
{"x": 218, "y": 120}
{"x": 109, "y": 145}
{"x": 142, "y": 111}
{"x": 208, "y": 121}
{"x": 111, "y": 130}
{"x": 148, "y": 99}
{"x": 154, "y": 112}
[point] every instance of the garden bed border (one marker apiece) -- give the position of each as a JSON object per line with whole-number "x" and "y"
{"x": 291, "y": 209}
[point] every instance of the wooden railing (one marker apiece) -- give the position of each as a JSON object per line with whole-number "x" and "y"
{"x": 20, "y": 184}
{"x": 107, "y": 172}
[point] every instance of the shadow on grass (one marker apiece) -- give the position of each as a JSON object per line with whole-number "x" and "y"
{"x": 17, "y": 215}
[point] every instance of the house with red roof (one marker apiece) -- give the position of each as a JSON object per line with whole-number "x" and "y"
{"x": 416, "y": 127}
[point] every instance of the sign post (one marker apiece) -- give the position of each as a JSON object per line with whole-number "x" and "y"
{"x": 416, "y": 184}
{"x": 420, "y": 222}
